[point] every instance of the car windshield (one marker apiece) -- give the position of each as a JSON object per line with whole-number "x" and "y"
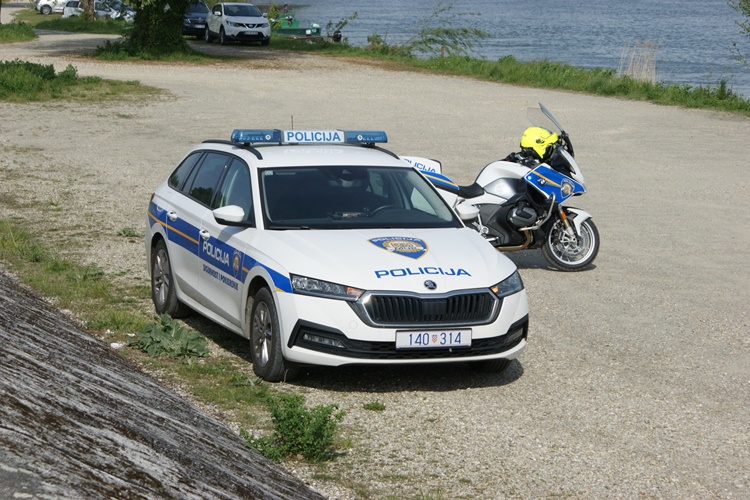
{"x": 239, "y": 10}
{"x": 328, "y": 197}
{"x": 197, "y": 8}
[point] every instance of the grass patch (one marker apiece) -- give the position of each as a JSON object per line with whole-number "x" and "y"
{"x": 16, "y": 32}
{"x": 83, "y": 288}
{"x": 22, "y": 81}
{"x": 121, "y": 51}
{"x": 77, "y": 24}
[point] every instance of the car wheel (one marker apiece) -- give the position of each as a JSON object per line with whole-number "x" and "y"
{"x": 262, "y": 322}
{"x": 45, "y": 9}
{"x": 490, "y": 365}
{"x": 266, "y": 41}
{"x": 222, "y": 37}
{"x": 207, "y": 36}
{"x": 163, "y": 291}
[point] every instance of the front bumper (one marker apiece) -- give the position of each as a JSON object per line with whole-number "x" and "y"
{"x": 247, "y": 35}
{"x": 330, "y": 333}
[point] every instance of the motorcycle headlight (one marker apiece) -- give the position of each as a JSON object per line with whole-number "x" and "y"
{"x": 320, "y": 288}
{"x": 510, "y": 285}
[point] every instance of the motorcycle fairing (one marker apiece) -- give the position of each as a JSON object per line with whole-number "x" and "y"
{"x": 552, "y": 183}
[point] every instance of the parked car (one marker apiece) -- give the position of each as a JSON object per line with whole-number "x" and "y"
{"x": 49, "y": 6}
{"x": 194, "y": 23}
{"x": 323, "y": 249}
{"x": 120, "y": 10}
{"x": 237, "y": 21}
{"x": 102, "y": 10}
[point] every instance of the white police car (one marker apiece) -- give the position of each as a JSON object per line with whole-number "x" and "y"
{"x": 325, "y": 249}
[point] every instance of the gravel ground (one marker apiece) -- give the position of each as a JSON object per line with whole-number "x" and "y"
{"x": 636, "y": 381}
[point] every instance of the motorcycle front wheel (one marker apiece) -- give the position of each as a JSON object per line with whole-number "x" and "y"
{"x": 566, "y": 253}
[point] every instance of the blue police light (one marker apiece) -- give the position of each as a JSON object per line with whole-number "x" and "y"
{"x": 269, "y": 136}
{"x": 365, "y": 136}
{"x": 256, "y": 136}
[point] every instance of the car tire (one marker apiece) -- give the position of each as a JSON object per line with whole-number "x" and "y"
{"x": 490, "y": 365}
{"x": 163, "y": 291}
{"x": 262, "y": 324}
{"x": 45, "y": 9}
{"x": 265, "y": 41}
{"x": 222, "y": 37}
{"x": 207, "y": 36}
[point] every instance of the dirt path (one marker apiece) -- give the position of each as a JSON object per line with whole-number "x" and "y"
{"x": 637, "y": 377}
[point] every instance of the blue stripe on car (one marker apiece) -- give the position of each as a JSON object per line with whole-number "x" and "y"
{"x": 187, "y": 236}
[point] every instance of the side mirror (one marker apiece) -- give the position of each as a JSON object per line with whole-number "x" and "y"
{"x": 467, "y": 211}
{"x": 265, "y": 14}
{"x": 231, "y": 215}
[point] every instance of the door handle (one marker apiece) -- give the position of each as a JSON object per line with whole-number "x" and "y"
{"x": 172, "y": 215}
{"x": 205, "y": 234}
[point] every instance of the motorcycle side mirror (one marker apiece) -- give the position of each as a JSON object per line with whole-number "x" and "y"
{"x": 467, "y": 211}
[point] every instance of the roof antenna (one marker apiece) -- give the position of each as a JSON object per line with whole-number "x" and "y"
{"x": 292, "y": 122}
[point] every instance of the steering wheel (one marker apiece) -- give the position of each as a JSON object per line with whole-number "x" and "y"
{"x": 380, "y": 209}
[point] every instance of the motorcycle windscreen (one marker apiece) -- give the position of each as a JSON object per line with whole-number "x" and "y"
{"x": 552, "y": 183}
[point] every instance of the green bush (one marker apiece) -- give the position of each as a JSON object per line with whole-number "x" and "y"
{"x": 31, "y": 81}
{"x": 298, "y": 430}
{"x": 167, "y": 337}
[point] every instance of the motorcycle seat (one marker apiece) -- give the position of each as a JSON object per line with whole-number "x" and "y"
{"x": 470, "y": 191}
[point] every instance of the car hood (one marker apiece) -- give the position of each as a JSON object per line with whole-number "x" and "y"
{"x": 388, "y": 259}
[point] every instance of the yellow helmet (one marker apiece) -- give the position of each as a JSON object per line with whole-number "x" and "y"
{"x": 536, "y": 141}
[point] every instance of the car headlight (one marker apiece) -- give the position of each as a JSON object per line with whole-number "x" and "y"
{"x": 235, "y": 25}
{"x": 320, "y": 288}
{"x": 510, "y": 285}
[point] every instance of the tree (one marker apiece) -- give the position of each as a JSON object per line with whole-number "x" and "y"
{"x": 436, "y": 35}
{"x": 157, "y": 28}
{"x": 743, "y": 7}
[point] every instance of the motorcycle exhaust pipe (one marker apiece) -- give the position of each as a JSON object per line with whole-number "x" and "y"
{"x": 522, "y": 246}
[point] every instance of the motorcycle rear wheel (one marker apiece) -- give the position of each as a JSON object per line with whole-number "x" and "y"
{"x": 571, "y": 254}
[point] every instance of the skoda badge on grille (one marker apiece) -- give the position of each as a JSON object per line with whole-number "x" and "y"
{"x": 430, "y": 285}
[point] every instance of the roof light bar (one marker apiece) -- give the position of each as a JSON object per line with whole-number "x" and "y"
{"x": 271, "y": 136}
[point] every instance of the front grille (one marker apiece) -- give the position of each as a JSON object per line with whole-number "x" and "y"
{"x": 464, "y": 308}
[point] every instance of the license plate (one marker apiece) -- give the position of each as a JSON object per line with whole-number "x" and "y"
{"x": 251, "y": 33}
{"x": 200, "y": 26}
{"x": 425, "y": 339}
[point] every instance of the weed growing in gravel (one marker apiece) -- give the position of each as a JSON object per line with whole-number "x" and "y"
{"x": 128, "y": 232}
{"x": 298, "y": 430}
{"x": 374, "y": 406}
{"x": 167, "y": 337}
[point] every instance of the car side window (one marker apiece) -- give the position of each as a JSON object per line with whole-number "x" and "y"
{"x": 203, "y": 186}
{"x": 235, "y": 190}
{"x": 177, "y": 179}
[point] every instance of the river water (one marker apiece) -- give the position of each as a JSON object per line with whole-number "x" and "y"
{"x": 693, "y": 38}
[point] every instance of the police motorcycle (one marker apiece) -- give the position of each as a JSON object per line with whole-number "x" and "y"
{"x": 517, "y": 203}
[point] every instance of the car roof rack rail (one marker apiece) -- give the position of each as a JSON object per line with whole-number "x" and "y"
{"x": 243, "y": 145}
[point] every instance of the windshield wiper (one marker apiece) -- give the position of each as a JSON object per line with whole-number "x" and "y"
{"x": 287, "y": 228}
